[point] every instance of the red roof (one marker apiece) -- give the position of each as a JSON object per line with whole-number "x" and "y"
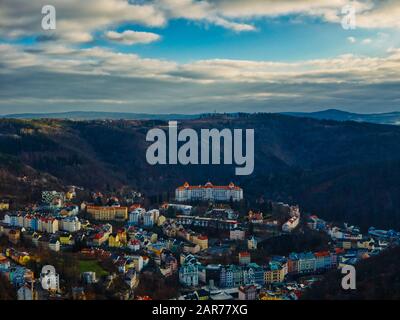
{"x": 322, "y": 254}
{"x": 208, "y": 185}
{"x": 99, "y": 235}
{"x": 134, "y": 206}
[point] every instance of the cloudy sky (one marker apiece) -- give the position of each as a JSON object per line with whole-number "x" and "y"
{"x": 189, "y": 56}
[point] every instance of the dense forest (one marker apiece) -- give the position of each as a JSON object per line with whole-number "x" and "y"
{"x": 377, "y": 278}
{"x": 342, "y": 171}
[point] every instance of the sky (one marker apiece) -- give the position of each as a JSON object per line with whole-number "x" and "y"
{"x": 189, "y": 56}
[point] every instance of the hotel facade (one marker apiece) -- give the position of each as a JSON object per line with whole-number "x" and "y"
{"x": 208, "y": 192}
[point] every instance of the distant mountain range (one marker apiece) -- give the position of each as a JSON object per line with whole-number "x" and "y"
{"x": 392, "y": 118}
{"x": 98, "y": 115}
{"x": 338, "y": 115}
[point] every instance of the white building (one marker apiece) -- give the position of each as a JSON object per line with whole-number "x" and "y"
{"x": 48, "y": 225}
{"x": 294, "y": 220}
{"x": 70, "y": 224}
{"x": 291, "y": 224}
{"x": 134, "y": 245}
{"x": 150, "y": 217}
{"x": 54, "y": 244}
{"x": 209, "y": 192}
{"x": 25, "y": 293}
{"x": 252, "y": 243}
{"x": 136, "y": 216}
{"x": 189, "y": 272}
{"x": 237, "y": 234}
{"x": 138, "y": 261}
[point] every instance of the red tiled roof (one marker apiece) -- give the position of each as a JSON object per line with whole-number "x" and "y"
{"x": 322, "y": 254}
{"x": 99, "y": 235}
{"x": 208, "y": 185}
{"x": 244, "y": 254}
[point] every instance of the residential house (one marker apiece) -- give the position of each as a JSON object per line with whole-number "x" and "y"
{"x": 189, "y": 272}
{"x": 54, "y": 244}
{"x": 248, "y": 292}
{"x": 114, "y": 241}
{"x": 275, "y": 273}
{"x": 70, "y": 224}
{"x": 237, "y": 234}
{"x": 307, "y": 262}
{"x": 66, "y": 239}
{"x": 244, "y": 258}
{"x": 252, "y": 243}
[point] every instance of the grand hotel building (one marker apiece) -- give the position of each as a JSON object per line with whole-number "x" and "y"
{"x": 208, "y": 192}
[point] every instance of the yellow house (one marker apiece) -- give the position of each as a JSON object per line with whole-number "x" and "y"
{"x": 4, "y": 206}
{"x": 274, "y": 274}
{"x": 108, "y": 213}
{"x": 113, "y": 241}
{"x": 269, "y": 297}
{"x": 122, "y": 235}
{"x": 70, "y": 195}
{"x": 154, "y": 238}
{"x": 66, "y": 239}
{"x": 202, "y": 241}
{"x": 23, "y": 259}
{"x": 156, "y": 251}
{"x": 100, "y": 238}
{"x": 161, "y": 220}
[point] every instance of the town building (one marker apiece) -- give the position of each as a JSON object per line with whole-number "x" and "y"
{"x": 136, "y": 216}
{"x": 70, "y": 224}
{"x": 255, "y": 217}
{"x": 307, "y": 262}
{"x": 189, "y": 272}
{"x": 54, "y": 244}
{"x": 4, "y": 206}
{"x": 107, "y": 213}
{"x": 203, "y": 222}
{"x": 275, "y": 273}
{"x": 293, "y": 221}
{"x": 248, "y": 292}
{"x": 208, "y": 192}
{"x": 148, "y": 219}
{"x": 252, "y": 243}
{"x": 200, "y": 240}
{"x": 47, "y": 225}
{"x": 237, "y": 234}
{"x": 244, "y": 258}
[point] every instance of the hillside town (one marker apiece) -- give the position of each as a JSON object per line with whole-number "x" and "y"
{"x": 205, "y": 243}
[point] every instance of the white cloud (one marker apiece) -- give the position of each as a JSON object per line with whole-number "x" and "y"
{"x": 78, "y": 20}
{"x": 367, "y": 41}
{"x": 351, "y": 39}
{"x": 131, "y": 37}
{"x": 345, "y": 68}
{"x": 97, "y": 78}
